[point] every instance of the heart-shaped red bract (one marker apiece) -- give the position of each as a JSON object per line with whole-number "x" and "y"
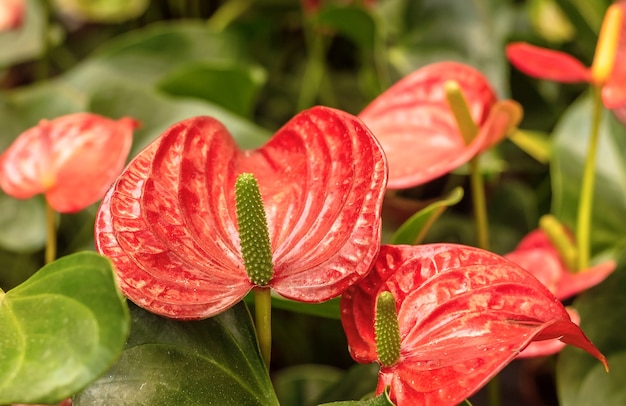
{"x": 170, "y": 227}
{"x": 415, "y": 126}
{"x": 463, "y": 313}
{"x": 72, "y": 159}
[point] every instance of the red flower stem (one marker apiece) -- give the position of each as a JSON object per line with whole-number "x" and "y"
{"x": 585, "y": 204}
{"x": 263, "y": 321}
{"x": 51, "y": 237}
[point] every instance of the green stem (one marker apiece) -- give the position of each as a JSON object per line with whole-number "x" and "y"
{"x": 51, "y": 240}
{"x": 314, "y": 69}
{"x": 479, "y": 203}
{"x": 585, "y": 204}
{"x": 227, "y": 13}
{"x": 263, "y": 321}
{"x": 469, "y": 130}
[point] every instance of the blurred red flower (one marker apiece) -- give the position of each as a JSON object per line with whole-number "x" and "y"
{"x": 608, "y": 69}
{"x": 537, "y": 255}
{"x": 72, "y": 160}
{"x": 463, "y": 315}
{"x": 170, "y": 227}
{"x": 11, "y": 14}
{"x": 420, "y": 136}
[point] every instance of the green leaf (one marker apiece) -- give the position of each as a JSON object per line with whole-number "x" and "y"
{"x": 382, "y": 400}
{"x": 353, "y": 22}
{"x": 328, "y": 309}
{"x": 581, "y": 380}
{"x": 27, "y": 41}
{"x": 356, "y": 383}
{"x": 234, "y": 87}
{"x": 60, "y": 330}
{"x": 415, "y": 228}
{"x": 571, "y": 137}
{"x": 301, "y": 385}
{"x": 168, "y": 362}
{"x": 472, "y": 32}
{"x": 22, "y": 224}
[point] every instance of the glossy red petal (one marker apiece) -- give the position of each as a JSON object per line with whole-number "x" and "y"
{"x": 414, "y": 125}
{"x": 170, "y": 223}
{"x": 464, "y": 314}
{"x": 547, "y": 64}
{"x": 72, "y": 159}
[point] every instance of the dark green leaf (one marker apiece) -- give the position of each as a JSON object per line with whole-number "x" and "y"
{"x": 382, "y": 400}
{"x": 60, "y": 330}
{"x": 353, "y": 22}
{"x": 234, "y": 87}
{"x": 415, "y": 228}
{"x": 168, "y": 362}
{"x": 301, "y": 385}
{"x": 22, "y": 224}
{"x": 27, "y": 41}
{"x": 358, "y": 382}
{"x": 328, "y": 309}
{"x": 581, "y": 379}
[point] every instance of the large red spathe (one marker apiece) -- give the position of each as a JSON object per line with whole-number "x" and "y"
{"x": 169, "y": 222}
{"x": 463, "y": 313}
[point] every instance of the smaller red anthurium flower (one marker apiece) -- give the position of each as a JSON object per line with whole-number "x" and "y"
{"x": 71, "y": 159}
{"x": 172, "y": 223}
{"x": 608, "y": 70}
{"x": 538, "y": 255}
{"x": 418, "y": 131}
{"x": 11, "y": 14}
{"x": 462, "y": 315}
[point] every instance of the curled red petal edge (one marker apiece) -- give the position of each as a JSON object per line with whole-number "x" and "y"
{"x": 543, "y": 63}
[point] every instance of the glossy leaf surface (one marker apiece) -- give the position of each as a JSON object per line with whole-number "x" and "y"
{"x": 169, "y": 222}
{"x": 460, "y": 309}
{"x": 60, "y": 330}
{"x": 417, "y": 130}
{"x": 415, "y": 228}
{"x": 167, "y": 362}
{"x": 72, "y": 159}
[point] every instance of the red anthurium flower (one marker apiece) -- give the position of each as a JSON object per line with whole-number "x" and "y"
{"x": 609, "y": 65}
{"x": 11, "y": 14}
{"x": 463, "y": 314}
{"x": 536, "y": 254}
{"x": 415, "y": 126}
{"x": 72, "y": 160}
{"x": 169, "y": 222}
